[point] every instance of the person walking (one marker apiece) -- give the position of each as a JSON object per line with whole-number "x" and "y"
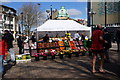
{"x": 107, "y": 37}
{"x": 20, "y": 44}
{"x": 33, "y": 38}
{"x": 9, "y": 39}
{"x": 82, "y": 37}
{"x": 3, "y": 50}
{"x": 118, "y": 39}
{"x": 97, "y": 47}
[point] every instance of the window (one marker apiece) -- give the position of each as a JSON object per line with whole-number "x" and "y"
{"x": 11, "y": 26}
{"x": 5, "y": 9}
{"x": 9, "y": 18}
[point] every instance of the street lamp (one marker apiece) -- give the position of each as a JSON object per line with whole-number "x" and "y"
{"x": 22, "y": 20}
{"x": 51, "y": 11}
{"x": 105, "y": 13}
{"x": 36, "y": 30}
{"x": 37, "y": 18}
{"x": 92, "y": 13}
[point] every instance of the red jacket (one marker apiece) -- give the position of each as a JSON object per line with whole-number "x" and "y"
{"x": 3, "y": 47}
{"x": 97, "y": 44}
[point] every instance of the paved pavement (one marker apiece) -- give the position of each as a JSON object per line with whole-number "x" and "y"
{"x": 75, "y": 68}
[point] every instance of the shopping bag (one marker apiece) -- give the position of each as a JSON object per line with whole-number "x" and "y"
{"x": 12, "y": 54}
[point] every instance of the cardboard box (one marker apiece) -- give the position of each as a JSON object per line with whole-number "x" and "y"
{"x": 23, "y": 58}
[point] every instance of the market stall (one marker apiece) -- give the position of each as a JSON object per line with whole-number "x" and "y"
{"x": 60, "y": 46}
{"x": 59, "y": 27}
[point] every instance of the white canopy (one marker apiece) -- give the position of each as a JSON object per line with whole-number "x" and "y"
{"x": 62, "y": 25}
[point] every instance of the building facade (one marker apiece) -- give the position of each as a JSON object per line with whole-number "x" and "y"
{"x": 8, "y": 19}
{"x": 112, "y": 17}
{"x": 109, "y": 15}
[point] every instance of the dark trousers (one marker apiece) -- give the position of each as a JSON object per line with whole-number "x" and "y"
{"x": 20, "y": 49}
{"x": 107, "y": 54}
{"x": 118, "y": 45}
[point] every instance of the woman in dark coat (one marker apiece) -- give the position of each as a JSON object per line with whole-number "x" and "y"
{"x": 20, "y": 44}
{"x": 33, "y": 39}
{"x": 9, "y": 39}
{"x": 118, "y": 39}
{"x": 107, "y": 37}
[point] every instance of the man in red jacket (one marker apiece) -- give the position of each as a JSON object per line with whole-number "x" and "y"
{"x": 3, "y": 50}
{"x": 97, "y": 47}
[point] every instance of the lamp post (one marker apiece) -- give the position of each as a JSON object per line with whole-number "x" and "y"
{"x": 37, "y": 16}
{"x": 105, "y": 13}
{"x": 92, "y": 13}
{"x": 36, "y": 31}
{"x": 22, "y": 21}
{"x": 51, "y": 11}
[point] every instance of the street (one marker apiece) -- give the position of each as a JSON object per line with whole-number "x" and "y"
{"x": 66, "y": 68}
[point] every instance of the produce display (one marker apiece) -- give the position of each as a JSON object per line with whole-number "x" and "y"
{"x": 60, "y": 47}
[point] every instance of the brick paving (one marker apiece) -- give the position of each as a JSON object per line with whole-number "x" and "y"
{"x": 74, "y": 68}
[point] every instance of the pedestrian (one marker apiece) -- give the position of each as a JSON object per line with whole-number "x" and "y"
{"x": 97, "y": 48}
{"x": 33, "y": 38}
{"x": 46, "y": 38}
{"x": 9, "y": 39}
{"x": 3, "y": 50}
{"x": 57, "y": 35}
{"x": 77, "y": 36}
{"x": 118, "y": 39}
{"x": 24, "y": 37}
{"x": 20, "y": 44}
{"x": 82, "y": 37}
{"x": 107, "y": 37}
{"x": 68, "y": 35}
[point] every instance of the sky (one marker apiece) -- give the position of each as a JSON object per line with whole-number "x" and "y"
{"x": 75, "y": 9}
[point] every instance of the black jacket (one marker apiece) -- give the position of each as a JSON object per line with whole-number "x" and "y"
{"x": 46, "y": 39}
{"x": 20, "y": 41}
{"x": 33, "y": 38}
{"x": 9, "y": 39}
{"x": 118, "y": 35}
{"x": 107, "y": 37}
